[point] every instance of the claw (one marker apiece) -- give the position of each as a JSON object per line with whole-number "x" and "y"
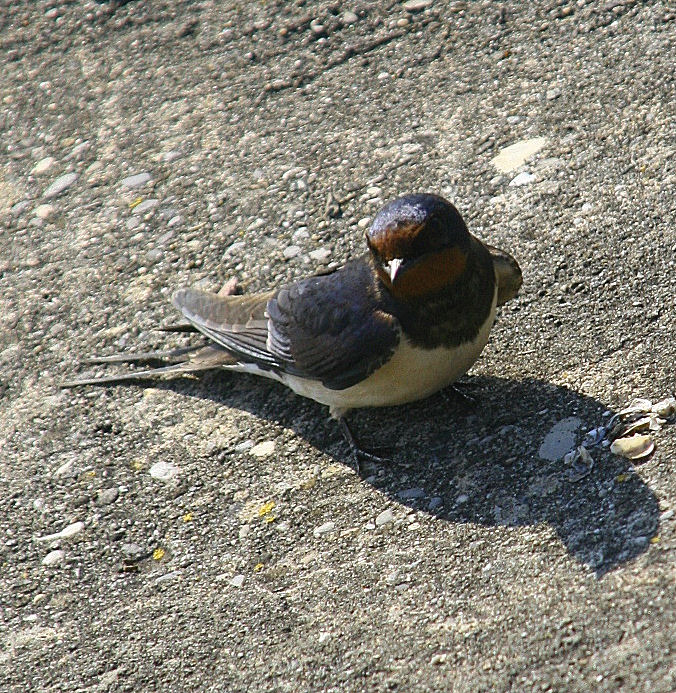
{"x": 358, "y": 453}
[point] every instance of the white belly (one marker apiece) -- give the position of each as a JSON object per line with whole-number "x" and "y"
{"x": 411, "y": 374}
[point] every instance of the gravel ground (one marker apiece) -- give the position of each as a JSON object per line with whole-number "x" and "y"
{"x": 209, "y": 533}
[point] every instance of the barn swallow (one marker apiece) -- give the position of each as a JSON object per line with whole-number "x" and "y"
{"x": 396, "y": 325}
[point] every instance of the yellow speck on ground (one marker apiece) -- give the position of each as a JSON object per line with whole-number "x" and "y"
{"x": 158, "y": 554}
{"x": 188, "y": 517}
{"x": 266, "y": 508}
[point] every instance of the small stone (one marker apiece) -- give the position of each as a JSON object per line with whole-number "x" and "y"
{"x": 515, "y": 155}
{"x": 552, "y": 94}
{"x": 175, "y": 221}
{"x": 66, "y": 533}
{"x": 170, "y": 156}
{"x": 326, "y": 528}
{"x": 59, "y": 185}
{"x": 523, "y": 178}
{"x": 349, "y": 18}
{"x": 237, "y": 581}
{"x": 267, "y": 447}
{"x": 79, "y": 151}
{"x": 560, "y": 439}
{"x": 292, "y": 251}
{"x": 137, "y": 180}
{"x": 320, "y": 255}
{"x": 154, "y": 255}
{"x": 133, "y": 552}
{"x": 416, "y": 5}
{"x": 43, "y": 166}
{"x": 54, "y": 558}
{"x": 435, "y": 502}
{"x": 364, "y": 222}
{"x": 146, "y": 206}
{"x": 438, "y": 659}
{"x": 244, "y": 446}
{"x": 164, "y": 471}
{"x": 461, "y": 499}
{"x": 411, "y": 493}
{"x": 384, "y": 518}
{"x": 107, "y": 496}
{"x": 44, "y": 211}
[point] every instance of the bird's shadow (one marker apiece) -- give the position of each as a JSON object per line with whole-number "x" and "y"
{"x": 479, "y": 465}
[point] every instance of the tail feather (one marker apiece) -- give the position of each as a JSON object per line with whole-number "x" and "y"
{"x": 185, "y": 360}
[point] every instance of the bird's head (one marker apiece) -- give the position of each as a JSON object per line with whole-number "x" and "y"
{"x": 419, "y": 245}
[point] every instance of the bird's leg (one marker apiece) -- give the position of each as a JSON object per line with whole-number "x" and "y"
{"x": 358, "y": 453}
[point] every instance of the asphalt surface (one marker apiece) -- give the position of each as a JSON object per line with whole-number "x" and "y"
{"x": 217, "y": 537}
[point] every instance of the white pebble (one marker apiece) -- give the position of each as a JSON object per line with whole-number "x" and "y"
{"x": 523, "y": 178}
{"x": 237, "y": 581}
{"x": 324, "y": 529}
{"x": 53, "y": 558}
{"x": 164, "y": 471}
{"x": 59, "y": 185}
{"x": 43, "y": 166}
{"x": 137, "y": 180}
{"x": 267, "y": 447}
{"x": 66, "y": 533}
{"x": 44, "y": 211}
{"x": 384, "y": 518}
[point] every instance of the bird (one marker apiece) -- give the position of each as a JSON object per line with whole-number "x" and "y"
{"x": 393, "y": 326}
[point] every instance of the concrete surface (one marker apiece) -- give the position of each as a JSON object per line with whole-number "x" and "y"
{"x": 215, "y": 536}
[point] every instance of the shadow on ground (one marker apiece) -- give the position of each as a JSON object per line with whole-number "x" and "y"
{"x": 478, "y": 465}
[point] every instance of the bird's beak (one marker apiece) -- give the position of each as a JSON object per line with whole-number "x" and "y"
{"x": 392, "y": 268}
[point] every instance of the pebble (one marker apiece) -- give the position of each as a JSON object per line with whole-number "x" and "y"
{"x": 560, "y": 439}
{"x": 54, "y": 558}
{"x": 411, "y": 493}
{"x": 66, "y": 533}
{"x": 416, "y": 5}
{"x": 146, "y": 206}
{"x": 167, "y": 577}
{"x": 244, "y": 446}
{"x": 363, "y": 223}
{"x": 79, "y": 150}
{"x": 292, "y": 251}
{"x": 107, "y": 496}
{"x": 44, "y": 211}
{"x": 515, "y": 155}
{"x": 175, "y": 221}
{"x": 384, "y": 518}
{"x": 59, "y": 185}
{"x": 137, "y": 180}
{"x": 164, "y": 471}
{"x": 320, "y": 255}
{"x": 349, "y": 18}
{"x": 170, "y": 156}
{"x": 435, "y": 502}
{"x": 462, "y": 499}
{"x": 324, "y": 529}
{"x": 237, "y": 581}
{"x": 154, "y": 255}
{"x": 43, "y": 166}
{"x": 133, "y": 552}
{"x": 523, "y": 178}
{"x": 552, "y": 94}
{"x": 267, "y": 447}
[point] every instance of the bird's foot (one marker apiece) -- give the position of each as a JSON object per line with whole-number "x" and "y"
{"x": 360, "y": 454}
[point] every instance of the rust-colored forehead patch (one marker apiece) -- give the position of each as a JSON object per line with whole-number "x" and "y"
{"x": 395, "y": 241}
{"x": 433, "y": 273}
